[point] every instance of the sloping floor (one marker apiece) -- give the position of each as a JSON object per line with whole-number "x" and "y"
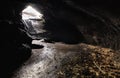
{"x": 59, "y": 60}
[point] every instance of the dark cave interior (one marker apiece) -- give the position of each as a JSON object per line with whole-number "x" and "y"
{"x": 69, "y": 21}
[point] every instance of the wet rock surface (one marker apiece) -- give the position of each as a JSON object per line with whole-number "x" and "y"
{"x": 61, "y": 60}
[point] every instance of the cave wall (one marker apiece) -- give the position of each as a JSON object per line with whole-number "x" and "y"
{"x": 15, "y": 43}
{"x": 67, "y": 21}
{"x": 97, "y": 21}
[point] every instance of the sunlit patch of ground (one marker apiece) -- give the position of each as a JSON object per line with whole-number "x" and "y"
{"x": 70, "y": 61}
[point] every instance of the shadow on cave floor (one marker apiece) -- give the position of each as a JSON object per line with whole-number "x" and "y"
{"x": 11, "y": 62}
{"x": 35, "y": 46}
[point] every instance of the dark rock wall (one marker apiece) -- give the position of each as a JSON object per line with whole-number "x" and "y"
{"x": 15, "y": 44}
{"x": 97, "y": 22}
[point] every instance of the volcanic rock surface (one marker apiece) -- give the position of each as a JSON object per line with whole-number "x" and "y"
{"x": 61, "y": 60}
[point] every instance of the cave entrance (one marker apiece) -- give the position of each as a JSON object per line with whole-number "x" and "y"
{"x": 33, "y": 20}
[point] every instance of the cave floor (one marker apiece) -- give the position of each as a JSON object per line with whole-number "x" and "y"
{"x": 59, "y": 60}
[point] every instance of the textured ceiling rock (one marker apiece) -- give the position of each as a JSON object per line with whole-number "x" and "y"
{"x": 98, "y": 23}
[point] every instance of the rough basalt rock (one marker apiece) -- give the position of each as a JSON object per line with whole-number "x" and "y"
{"x": 15, "y": 47}
{"x": 15, "y": 44}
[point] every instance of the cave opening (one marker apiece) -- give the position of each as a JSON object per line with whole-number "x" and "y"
{"x": 33, "y": 20}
